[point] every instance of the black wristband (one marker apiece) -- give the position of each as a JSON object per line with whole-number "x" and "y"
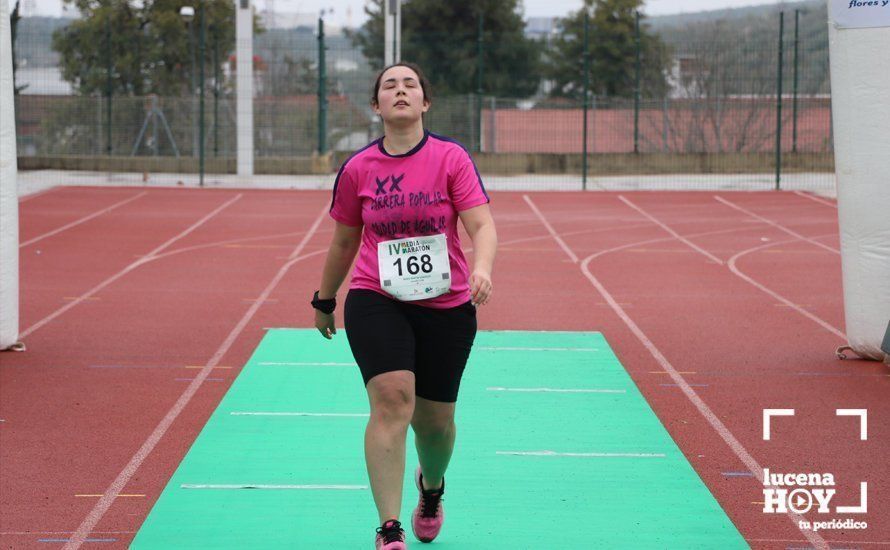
{"x": 324, "y": 306}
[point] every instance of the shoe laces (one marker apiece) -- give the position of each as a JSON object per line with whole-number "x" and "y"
{"x": 429, "y": 502}
{"x": 391, "y": 531}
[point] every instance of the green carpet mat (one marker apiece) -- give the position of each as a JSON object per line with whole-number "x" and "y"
{"x": 535, "y": 466}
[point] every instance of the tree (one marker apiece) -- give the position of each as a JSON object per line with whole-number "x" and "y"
{"x": 442, "y": 37}
{"x": 726, "y": 84}
{"x": 612, "y": 50}
{"x": 150, "y": 46}
{"x": 292, "y": 76}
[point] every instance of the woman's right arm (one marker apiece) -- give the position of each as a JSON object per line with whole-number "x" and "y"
{"x": 344, "y": 245}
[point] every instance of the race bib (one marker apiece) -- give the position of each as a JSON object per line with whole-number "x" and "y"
{"x": 415, "y": 268}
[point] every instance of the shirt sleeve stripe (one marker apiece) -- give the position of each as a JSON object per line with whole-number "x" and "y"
{"x": 473, "y": 162}
{"x": 343, "y": 167}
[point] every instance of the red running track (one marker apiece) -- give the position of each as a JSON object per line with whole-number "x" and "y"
{"x": 738, "y": 294}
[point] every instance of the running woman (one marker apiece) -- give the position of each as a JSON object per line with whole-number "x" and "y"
{"x": 410, "y": 313}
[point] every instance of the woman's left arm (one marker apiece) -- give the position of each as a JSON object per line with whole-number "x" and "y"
{"x": 480, "y": 227}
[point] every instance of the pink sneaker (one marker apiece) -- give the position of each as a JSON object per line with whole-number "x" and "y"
{"x": 427, "y": 519}
{"x": 390, "y": 536}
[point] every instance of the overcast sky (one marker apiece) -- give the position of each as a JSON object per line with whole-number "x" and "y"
{"x": 351, "y": 11}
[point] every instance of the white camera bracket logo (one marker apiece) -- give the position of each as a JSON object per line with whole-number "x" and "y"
{"x": 801, "y": 500}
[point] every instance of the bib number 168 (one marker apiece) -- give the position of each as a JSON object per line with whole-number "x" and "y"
{"x": 413, "y": 266}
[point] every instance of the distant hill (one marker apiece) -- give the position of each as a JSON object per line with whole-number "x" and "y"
{"x": 732, "y": 14}
{"x": 747, "y": 39}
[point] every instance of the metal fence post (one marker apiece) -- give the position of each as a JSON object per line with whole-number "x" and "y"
{"x": 215, "y": 91}
{"x": 593, "y": 109}
{"x": 637, "y": 83}
{"x": 479, "y": 62}
{"x": 586, "y": 91}
{"x": 109, "y": 90}
{"x": 322, "y": 92}
{"x": 779, "y": 102}
{"x": 202, "y": 41}
{"x": 492, "y": 125}
{"x": 796, "y": 42}
{"x": 193, "y": 87}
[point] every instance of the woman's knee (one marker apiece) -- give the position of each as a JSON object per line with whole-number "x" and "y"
{"x": 392, "y": 397}
{"x": 433, "y": 420}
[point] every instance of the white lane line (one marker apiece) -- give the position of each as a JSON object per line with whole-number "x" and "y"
{"x": 303, "y": 364}
{"x": 731, "y": 264}
{"x": 664, "y": 226}
{"x": 345, "y": 415}
{"x": 223, "y": 243}
{"x": 552, "y": 231}
{"x": 777, "y": 225}
{"x": 125, "y": 270}
{"x": 496, "y": 348}
{"x": 582, "y": 455}
{"x": 132, "y": 466}
{"x": 554, "y": 390}
{"x": 82, "y": 220}
{"x": 734, "y": 268}
{"x": 566, "y": 234}
{"x": 816, "y": 199}
{"x": 667, "y": 239}
{"x": 737, "y": 448}
{"x": 26, "y": 198}
{"x": 277, "y": 487}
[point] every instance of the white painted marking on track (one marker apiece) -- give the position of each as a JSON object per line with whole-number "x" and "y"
{"x": 250, "y": 413}
{"x": 816, "y": 199}
{"x": 126, "y": 270}
{"x": 664, "y": 226}
{"x": 731, "y": 264}
{"x": 552, "y": 231}
{"x": 92, "y": 519}
{"x": 737, "y": 448}
{"x": 221, "y": 243}
{"x": 303, "y": 364}
{"x": 496, "y": 348}
{"x": 82, "y": 220}
{"x": 555, "y": 390}
{"x": 470, "y": 249}
{"x": 734, "y": 268}
{"x": 277, "y": 487}
{"x": 664, "y": 240}
{"x": 777, "y": 225}
{"x": 36, "y": 194}
{"x": 582, "y": 455}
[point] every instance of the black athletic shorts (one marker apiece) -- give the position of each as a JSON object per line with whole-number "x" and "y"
{"x": 386, "y": 335}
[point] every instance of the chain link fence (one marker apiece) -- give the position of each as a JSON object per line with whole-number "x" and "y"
{"x": 713, "y": 112}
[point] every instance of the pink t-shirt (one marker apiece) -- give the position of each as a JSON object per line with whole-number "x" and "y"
{"x": 417, "y": 193}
